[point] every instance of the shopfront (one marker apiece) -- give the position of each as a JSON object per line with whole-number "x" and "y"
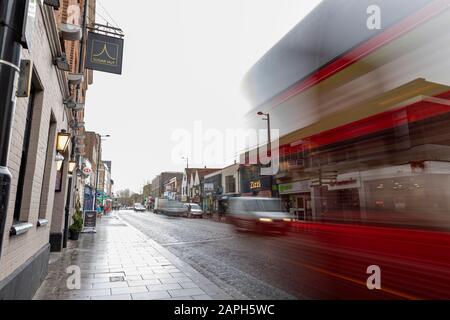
{"x": 253, "y": 184}
{"x": 257, "y": 187}
{"x": 341, "y": 199}
{"x": 297, "y": 199}
{"x": 212, "y": 190}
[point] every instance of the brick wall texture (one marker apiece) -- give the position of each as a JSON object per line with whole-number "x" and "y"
{"x": 48, "y": 104}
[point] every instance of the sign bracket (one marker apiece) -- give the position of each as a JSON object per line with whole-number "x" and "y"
{"x": 107, "y": 30}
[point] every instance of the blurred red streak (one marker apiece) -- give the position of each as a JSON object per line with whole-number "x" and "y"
{"x": 414, "y": 263}
{"x": 413, "y": 113}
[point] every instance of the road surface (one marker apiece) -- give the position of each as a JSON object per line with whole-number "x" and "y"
{"x": 254, "y": 266}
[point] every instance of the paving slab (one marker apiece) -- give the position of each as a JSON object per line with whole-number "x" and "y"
{"x": 121, "y": 263}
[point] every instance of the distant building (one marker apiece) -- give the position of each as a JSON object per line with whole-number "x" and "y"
{"x": 191, "y": 188}
{"x": 155, "y": 187}
{"x": 231, "y": 180}
{"x": 212, "y": 192}
{"x": 219, "y": 186}
{"x": 158, "y": 183}
{"x": 93, "y": 155}
{"x": 172, "y": 187}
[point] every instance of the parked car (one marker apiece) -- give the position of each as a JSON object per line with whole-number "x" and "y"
{"x": 195, "y": 210}
{"x": 138, "y": 207}
{"x": 259, "y": 214}
{"x": 170, "y": 207}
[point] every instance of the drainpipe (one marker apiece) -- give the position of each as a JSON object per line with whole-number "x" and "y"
{"x": 67, "y": 212}
{"x": 12, "y": 14}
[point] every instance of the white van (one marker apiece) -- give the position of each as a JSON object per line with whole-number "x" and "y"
{"x": 170, "y": 207}
{"x": 160, "y": 204}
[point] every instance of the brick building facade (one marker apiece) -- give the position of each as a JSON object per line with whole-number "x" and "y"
{"x": 41, "y": 196}
{"x": 159, "y": 181}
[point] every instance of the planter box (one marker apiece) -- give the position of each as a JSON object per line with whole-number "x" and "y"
{"x": 74, "y": 235}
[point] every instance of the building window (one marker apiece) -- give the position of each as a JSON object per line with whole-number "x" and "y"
{"x": 24, "y": 159}
{"x": 48, "y": 168}
{"x": 59, "y": 179}
{"x": 230, "y": 184}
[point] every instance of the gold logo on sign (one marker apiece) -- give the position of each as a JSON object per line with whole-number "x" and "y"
{"x": 104, "y": 56}
{"x": 255, "y": 185}
{"x": 105, "y": 51}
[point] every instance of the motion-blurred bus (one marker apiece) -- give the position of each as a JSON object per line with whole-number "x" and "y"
{"x": 360, "y": 93}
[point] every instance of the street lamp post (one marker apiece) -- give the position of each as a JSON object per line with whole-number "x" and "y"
{"x": 269, "y": 136}
{"x": 98, "y": 168}
{"x": 269, "y": 142}
{"x": 187, "y": 162}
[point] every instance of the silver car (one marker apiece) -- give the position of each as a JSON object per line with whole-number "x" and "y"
{"x": 194, "y": 210}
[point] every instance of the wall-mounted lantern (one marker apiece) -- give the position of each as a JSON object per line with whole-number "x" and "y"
{"x": 53, "y": 3}
{"x": 70, "y": 32}
{"x": 72, "y": 166}
{"x": 61, "y": 62}
{"x": 59, "y": 161}
{"x": 75, "y": 78}
{"x": 62, "y": 141}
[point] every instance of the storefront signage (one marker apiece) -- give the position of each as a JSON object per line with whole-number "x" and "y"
{"x": 104, "y": 53}
{"x": 295, "y": 187}
{"x": 345, "y": 184}
{"x": 209, "y": 187}
{"x": 255, "y": 184}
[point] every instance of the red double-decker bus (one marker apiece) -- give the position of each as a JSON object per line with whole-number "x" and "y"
{"x": 360, "y": 93}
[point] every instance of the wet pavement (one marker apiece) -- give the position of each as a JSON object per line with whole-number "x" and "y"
{"x": 245, "y": 265}
{"x": 306, "y": 263}
{"x": 141, "y": 255}
{"x": 121, "y": 263}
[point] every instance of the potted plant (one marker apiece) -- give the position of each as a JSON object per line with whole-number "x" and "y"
{"x": 77, "y": 225}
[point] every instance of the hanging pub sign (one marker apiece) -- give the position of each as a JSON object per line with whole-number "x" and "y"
{"x": 104, "y": 53}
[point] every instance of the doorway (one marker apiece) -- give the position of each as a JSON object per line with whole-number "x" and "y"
{"x": 302, "y": 207}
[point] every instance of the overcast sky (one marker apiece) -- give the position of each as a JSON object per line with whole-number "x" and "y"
{"x": 183, "y": 63}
